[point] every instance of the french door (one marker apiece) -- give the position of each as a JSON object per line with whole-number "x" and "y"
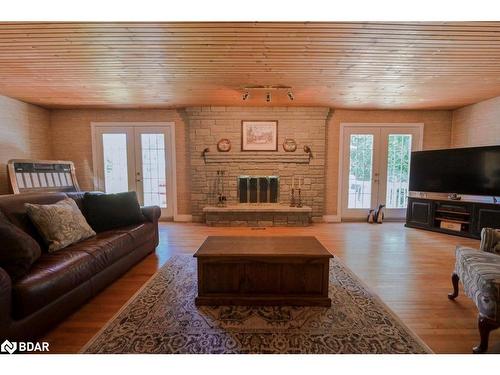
{"x": 376, "y": 168}
{"x": 136, "y": 158}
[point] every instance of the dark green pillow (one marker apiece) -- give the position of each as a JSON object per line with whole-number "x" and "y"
{"x": 109, "y": 211}
{"x": 18, "y": 250}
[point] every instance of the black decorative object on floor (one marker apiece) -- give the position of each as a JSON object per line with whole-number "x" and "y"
{"x": 379, "y": 214}
{"x": 371, "y": 216}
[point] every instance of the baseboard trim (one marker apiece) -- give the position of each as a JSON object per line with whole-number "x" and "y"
{"x": 331, "y": 218}
{"x": 183, "y": 218}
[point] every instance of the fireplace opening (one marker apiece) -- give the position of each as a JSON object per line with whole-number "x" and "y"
{"x": 258, "y": 189}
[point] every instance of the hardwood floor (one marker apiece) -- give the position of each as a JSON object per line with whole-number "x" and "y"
{"x": 409, "y": 269}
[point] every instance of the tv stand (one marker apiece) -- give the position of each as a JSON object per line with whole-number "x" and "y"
{"x": 459, "y": 218}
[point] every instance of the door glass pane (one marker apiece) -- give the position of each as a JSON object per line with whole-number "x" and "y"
{"x": 360, "y": 170}
{"x": 115, "y": 162}
{"x": 153, "y": 170}
{"x": 398, "y": 170}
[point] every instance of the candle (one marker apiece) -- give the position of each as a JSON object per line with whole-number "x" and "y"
{"x": 299, "y": 182}
{"x": 293, "y": 182}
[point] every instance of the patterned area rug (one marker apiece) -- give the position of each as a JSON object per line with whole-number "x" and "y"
{"x": 162, "y": 318}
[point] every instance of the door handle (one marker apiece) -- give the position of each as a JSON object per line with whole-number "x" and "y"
{"x": 138, "y": 180}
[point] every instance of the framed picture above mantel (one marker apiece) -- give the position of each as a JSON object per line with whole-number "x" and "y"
{"x": 259, "y": 135}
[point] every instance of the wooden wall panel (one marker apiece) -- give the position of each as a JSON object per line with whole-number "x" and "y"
{"x": 355, "y": 65}
{"x": 24, "y": 133}
{"x": 437, "y": 134}
{"x": 72, "y": 140}
{"x": 477, "y": 124}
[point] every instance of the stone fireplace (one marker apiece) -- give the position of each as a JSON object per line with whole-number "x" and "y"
{"x": 257, "y": 184}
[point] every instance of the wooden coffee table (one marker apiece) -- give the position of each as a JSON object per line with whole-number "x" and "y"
{"x": 281, "y": 270}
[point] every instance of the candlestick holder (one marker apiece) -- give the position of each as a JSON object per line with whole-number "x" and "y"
{"x": 292, "y": 198}
{"x": 299, "y": 203}
{"x": 221, "y": 196}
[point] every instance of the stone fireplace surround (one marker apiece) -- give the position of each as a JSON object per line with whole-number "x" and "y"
{"x": 257, "y": 206}
{"x": 207, "y": 125}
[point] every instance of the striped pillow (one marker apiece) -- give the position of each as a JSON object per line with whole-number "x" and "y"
{"x": 490, "y": 240}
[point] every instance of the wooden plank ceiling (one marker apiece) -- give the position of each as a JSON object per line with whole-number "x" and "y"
{"x": 343, "y": 65}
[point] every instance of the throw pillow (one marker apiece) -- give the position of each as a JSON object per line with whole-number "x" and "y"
{"x": 18, "y": 251}
{"x": 60, "y": 224}
{"x": 110, "y": 211}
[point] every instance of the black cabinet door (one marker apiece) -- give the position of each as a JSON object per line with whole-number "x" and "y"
{"x": 419, "y": 212}
{"x": 486, "y": 216}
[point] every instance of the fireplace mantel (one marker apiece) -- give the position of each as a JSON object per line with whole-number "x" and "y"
{"x": 256, "y": 157}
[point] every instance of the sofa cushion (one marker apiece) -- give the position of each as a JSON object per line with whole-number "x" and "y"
{"x": 18, "y": 251}
{"x": 12, "y": 206}
{"x": 139, "y": 233}
{"x": 479, "y": 272}
{"x": 52, "y": 276}
{"x": 106, "y": 247}
{"x": 77, "y": 196}
{"x": 110, "y": 211}
{"x": 60, "y": 224}
{"x": 55, "y": 274}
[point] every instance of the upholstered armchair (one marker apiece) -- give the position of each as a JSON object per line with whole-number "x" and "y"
{"x": 479, "y": 272}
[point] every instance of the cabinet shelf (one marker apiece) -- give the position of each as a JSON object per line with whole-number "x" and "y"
{"x": 452, "y": 220}
{"x": 453, "y": 212}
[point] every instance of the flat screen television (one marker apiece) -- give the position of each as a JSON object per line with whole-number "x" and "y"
{"x": 473, "y": 171}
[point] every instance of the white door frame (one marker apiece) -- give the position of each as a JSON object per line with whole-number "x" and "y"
{"x": 343, "y": 125}
{"x": 171, "y": 170}
{"x": 354, "y": 213}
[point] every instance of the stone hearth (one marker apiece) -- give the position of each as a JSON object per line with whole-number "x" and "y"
{"x": 258, "y": 215}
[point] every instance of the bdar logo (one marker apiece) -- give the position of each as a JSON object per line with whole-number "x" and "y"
{"x": 8, "y": 347}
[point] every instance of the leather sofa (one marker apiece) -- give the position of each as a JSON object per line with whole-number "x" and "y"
{"x": 58, "y": 283}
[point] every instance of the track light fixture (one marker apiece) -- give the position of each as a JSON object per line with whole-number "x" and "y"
{"x": 268, "y": 90}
